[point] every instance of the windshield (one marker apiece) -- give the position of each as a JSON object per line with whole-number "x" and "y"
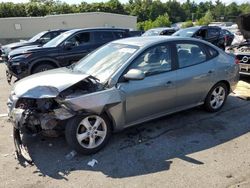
{"x": 186, "y": 32}
{"x": 38, "y": 36}
{"x": 152, "y": 32}
{"x": 58, "y": 40}
{"x": 105, "y": 61}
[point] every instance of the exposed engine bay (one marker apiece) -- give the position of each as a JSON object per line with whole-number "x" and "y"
{"x": 45, "y": 115}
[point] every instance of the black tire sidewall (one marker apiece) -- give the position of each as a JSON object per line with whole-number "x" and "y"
{"x": 38, "y": 68}
{"x": 207, "y": 104}
{"x": 70, "y": 135}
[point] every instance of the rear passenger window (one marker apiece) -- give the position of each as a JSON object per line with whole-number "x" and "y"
{"x": 212, "y": 33}
{"x": 119, "y": 35}
{"x": 104, "y": 36}
{"x": 189, "y": 54}
{"x": 212, "y": 52}
{"x": 54, "y": 34}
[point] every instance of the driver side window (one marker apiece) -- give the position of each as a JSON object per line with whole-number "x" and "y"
{"x": 80, "y": 39}
{"x": 154, "y": 60}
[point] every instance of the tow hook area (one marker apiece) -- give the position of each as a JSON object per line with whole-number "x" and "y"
{"x": 9, "y": 76}
{"x": 20, "y": 149}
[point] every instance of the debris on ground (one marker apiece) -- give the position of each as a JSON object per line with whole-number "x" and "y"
{"x": 71, "y": 155}
{"x": 242, "y": 90}
{"x": 92, "y": 162}
{"x": 3, "y": 115}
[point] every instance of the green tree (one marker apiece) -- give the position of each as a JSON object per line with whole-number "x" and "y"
{"x": 232, "y": 11}
{"x": 202, "y": 8}
{"x": 245, "y": 8}
{"x": 35, "y": 9}
{"x": 218, "y": 11}
{"x": 207, "y": 19}
{"x": 116, "y": 7}
{"x": 187, "y": 24}
{"x": 175, "y": 11}
{"x": 160, "y": 21}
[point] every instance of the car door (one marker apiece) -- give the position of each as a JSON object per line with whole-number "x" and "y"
{"x": 213, "y": 35}
{"x": 156, "y": 93}
{"x": 103, "y": 37}
{"x": 80, "y": 45}
{"x": 195, "y": 73}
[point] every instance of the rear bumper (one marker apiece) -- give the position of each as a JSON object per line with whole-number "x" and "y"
{"x": 245, "y": 69}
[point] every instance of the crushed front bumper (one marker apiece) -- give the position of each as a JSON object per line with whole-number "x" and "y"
{"x": 27, "y": 122}
{"x": 22, "y": 154}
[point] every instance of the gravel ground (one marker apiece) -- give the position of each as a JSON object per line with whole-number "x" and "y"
{"x": 192, "y": 148}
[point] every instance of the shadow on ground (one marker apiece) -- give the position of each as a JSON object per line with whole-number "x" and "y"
{"x": 147, "y": 148}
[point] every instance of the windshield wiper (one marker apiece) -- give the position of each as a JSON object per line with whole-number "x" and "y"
{"x": 94, "y": 78}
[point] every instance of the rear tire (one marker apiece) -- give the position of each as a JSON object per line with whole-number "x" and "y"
{"x": 216, "y": 97}
{"x": 42, "y": 67}
{"x": 88, "y": 134}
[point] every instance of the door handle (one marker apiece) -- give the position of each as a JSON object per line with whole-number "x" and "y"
{"x": 168, "y": 83}
{"x": 210, "y": 71}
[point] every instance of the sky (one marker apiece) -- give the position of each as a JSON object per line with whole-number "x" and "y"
{"x": 122, "y": 1}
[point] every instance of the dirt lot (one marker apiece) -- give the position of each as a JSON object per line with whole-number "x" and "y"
{"x": 188, "y": 149}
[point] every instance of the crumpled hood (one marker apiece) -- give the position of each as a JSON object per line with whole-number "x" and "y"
{"x": 47, "y": 84}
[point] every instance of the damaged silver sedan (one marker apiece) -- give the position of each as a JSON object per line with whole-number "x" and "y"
{"x": 124, "y": 83}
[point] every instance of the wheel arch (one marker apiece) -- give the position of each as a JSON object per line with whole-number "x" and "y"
{"x": 111, "y": 119}
{"x": 45, "y": 61}
{"x": 226, "y": 83}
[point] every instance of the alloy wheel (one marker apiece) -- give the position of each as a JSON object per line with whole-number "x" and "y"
{"x": 217, "y": 97}
{"x": 91, "y": 131}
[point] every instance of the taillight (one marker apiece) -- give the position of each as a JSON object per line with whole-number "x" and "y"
{"x": 236, "y": 61}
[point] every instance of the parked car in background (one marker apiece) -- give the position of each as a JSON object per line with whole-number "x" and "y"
{"x": 123, "y": 83}
{"x": 241, "y": 48}
{"x": 211, "y": 34}
{"x": 63, "y": 50}
{"x": 159, "y": 31}
{"x": 228, "y": 36}
{"x": 39, "y": 39}
{"x": 135, "y": 33}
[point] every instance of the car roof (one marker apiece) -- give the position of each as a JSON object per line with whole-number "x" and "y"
{"x": 161, "y": 29}
{"x": 148, "y": 40}
{"x": 52, "y": 30}
{"x": 97, "y": 28}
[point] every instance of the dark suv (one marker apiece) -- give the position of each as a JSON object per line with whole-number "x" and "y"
{"x": 39, "y": 39}
{"x": 63, "y": 50}
{"x": 211, "y": 34}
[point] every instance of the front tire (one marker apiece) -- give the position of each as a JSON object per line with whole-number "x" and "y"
{"x": 88, "y": 134}
{"x": 42, "y": 67}
{"x": 216, "y": 97}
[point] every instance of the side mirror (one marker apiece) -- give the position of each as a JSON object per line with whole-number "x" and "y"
{"x": 68, "y": 45}
{"x": 134, "y": 74}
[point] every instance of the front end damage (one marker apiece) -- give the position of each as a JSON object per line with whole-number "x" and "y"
{"x": 242, "y": 50}
{"x": 45, "y": 110}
